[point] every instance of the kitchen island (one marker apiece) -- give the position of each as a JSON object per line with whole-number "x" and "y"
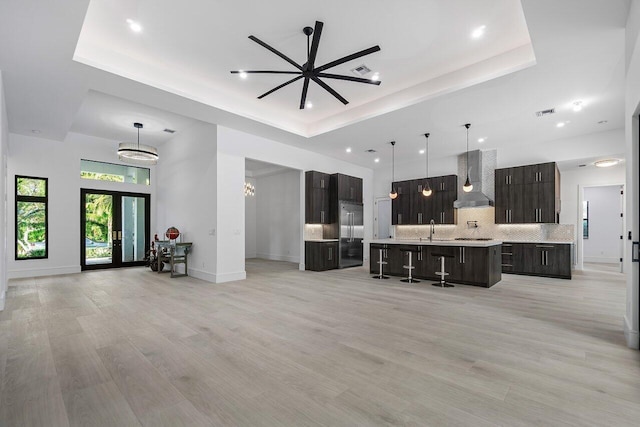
{"x": 470, "y": 262}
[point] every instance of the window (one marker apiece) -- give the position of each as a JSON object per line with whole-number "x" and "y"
{"x": 585, "y": 219}
{"x": 101, "y": 171}
{"x": 31, "y": 218}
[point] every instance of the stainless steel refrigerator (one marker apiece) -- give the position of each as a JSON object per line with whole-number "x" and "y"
{"x": 351, "y": 234}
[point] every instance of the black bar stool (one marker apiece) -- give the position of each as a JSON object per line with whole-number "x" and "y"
{"x": 409, "y": 251}
{"x": 443, "y": 283}
{"x": 381, "y": 262}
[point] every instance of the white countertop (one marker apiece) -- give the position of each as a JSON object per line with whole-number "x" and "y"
{"x": 443, "y": 242}
{"x": 321, "y": 240}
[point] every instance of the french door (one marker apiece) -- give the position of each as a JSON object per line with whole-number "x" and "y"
{"x": 114, "y": 229}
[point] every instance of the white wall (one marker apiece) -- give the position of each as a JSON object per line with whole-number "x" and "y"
{"x": 632, "y": 136}
{"x": 278, "y": 221}
{"x": 4, "y": 151}
{"x": 60, "y": 163}
{"x": 242, "y": 145}
{"x": 605, "y": 224}
{"x": 250, "y": 241}
{"x": 187, "y": 177}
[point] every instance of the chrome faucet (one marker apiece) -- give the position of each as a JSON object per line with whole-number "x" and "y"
{"x": 432, "y": 230}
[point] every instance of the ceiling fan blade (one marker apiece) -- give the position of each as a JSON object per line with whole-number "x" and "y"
{"x": 331, "y": 91}
{"x": 305, "y": 87}
{"x": 317, "y": 32}
{"x": 281, "y": 55}
{"x": 265, "y": 72}
{"x": 348, "y": 58}
{"x": 280, "y": 87}
{"x": 349, "y": 78}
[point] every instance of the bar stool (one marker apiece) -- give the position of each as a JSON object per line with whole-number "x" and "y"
{"x": 442, "y": 273}
{"x": 410, "y": 250}
{"x": 380, "y": 262}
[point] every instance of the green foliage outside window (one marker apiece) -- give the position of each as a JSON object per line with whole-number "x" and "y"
{"x": 31, "y": 217}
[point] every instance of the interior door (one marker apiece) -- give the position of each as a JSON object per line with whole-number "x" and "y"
{"x": 114, "y": 229}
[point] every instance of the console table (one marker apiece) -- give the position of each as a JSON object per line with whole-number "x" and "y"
{"x": 173, "y": 253}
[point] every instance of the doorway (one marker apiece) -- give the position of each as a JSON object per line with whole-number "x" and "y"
{"x": 114, "y": 229}
{"x": 382, "y": 219}
{"x": 603, "y": 226}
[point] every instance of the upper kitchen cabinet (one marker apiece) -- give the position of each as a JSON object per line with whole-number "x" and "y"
{"x": 401, "y": 205}
{"x": 317, "y": 198}
{"x": 411, "y": 207}
{"x": 528, "y": 194}
{"x": 347, "y": 188}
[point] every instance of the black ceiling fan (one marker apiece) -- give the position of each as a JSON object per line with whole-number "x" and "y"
{"x": 308, "y": 70}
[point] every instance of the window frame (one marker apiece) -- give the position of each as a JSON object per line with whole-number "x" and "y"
{"x": 115, "y": 164}
{"x": 34, "y": 199}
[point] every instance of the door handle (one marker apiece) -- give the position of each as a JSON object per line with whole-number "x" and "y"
{"x": 119, "y": 234}
{"x": 114, "y": 235}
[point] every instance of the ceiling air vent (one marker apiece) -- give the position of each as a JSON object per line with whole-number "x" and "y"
{"x": 361, "y": 70}
{"x": 170, "y": 131}
{"x": 370, "y": 150}
{"x": 545, "y": 112}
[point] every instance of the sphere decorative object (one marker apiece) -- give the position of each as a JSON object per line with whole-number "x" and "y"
{"x": 172, "y": 233}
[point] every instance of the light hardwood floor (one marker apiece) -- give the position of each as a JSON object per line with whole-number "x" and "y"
{"x": 129, "y": 348}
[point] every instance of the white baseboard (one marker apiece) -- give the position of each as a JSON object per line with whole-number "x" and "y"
{"x": 273, "y": 257}
{"x": 38, "y": 272}
{"x": 302, "y": 266}
{"x": 217, "y": 278}
{"x": 2, "y": 300}
{"x": 602, "y": 260}
{"x": 632, "y": 337}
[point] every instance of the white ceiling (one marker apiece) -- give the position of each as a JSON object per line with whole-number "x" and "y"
{"x": 189, "y": 49}
{"x": 578, "y": 45}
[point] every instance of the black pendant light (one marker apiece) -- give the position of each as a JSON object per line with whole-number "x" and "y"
{"x": 393, "y": 194}
{"x": 426, "y": 189}
{"x": 467, "y": 187}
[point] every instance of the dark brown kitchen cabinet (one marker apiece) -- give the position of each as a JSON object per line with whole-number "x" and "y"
{"x": 411, "y": 207}
{"x": 401, "y": 205}
{"x": 317, "y": 198}
{"x": 538, "y": 259}
{"x": 321, "y": 256}
{"x": 509, "y": 194}
{"x": 348, "y": 188}
{"x": 527, "y": 194}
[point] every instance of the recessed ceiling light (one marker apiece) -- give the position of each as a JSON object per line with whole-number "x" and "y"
{"x": 606, "y": 163}
{"x": 35, "y": 130}
{"x": 377, "y": 160}
{"x": 560, "y": 124}
{"x": 243, "y": 74}
{"x": 135, "y": 26}
{"x": 309, "y": 105}
{"x": 375, "y": 77}
{"x": 478, "y": 32}
{"x": 348, "y": 150}
{"x": 481, "y": 140}
{"x": 421, "y": 151}
{"x": 577, "y": 106}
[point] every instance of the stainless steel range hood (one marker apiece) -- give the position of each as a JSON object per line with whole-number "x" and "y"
{"x": 481, "y": 168}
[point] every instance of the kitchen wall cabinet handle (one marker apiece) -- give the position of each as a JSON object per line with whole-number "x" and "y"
{"x": 322, "y": 216}
{"x": 399, "y": 218}
{"x": 322, "y": 183}
{"x": 507, "y": 253}
{"x": 545, "y": 246}
{"x": 507, "y": 265}
{"x": 419, "y": 218}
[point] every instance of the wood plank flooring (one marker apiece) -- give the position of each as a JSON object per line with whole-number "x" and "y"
{"x": 132, "y": 348}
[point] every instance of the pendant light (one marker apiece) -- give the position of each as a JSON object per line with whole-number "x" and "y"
{"x": 426, "y": 189}
{"x": 393, "y": 194}
{"x": 137, "y": 153}
{"x": 467, "y": 187}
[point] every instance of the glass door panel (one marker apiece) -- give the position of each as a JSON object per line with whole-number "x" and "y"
{"x": 134, "y": 237}
{"x": 98, "y": 229}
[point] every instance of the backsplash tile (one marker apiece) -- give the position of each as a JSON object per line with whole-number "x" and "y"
{"x": 484, "y": 218}
{"x": 312, "y": 231}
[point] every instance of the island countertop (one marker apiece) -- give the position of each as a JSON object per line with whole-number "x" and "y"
{"x": 436, "y": 242}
